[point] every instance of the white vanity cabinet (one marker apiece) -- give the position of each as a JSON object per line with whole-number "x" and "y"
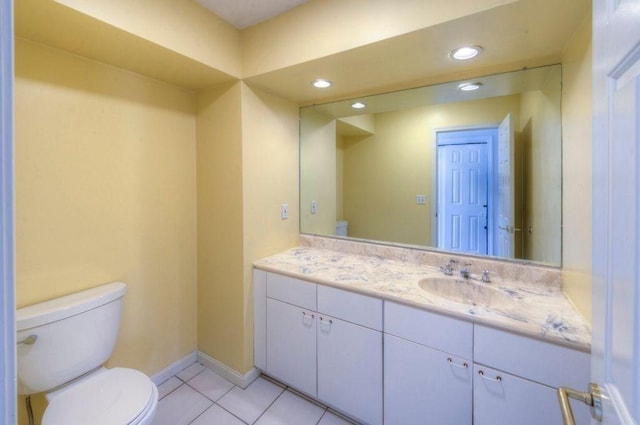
{"x": 437, "y": 369}
{"x": 322, "y": 341}
{"x": 427, "y": 368}
{"x": 516, "y": 379}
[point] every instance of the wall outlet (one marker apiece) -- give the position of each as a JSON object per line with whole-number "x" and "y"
{"x": 421, "y": 199}
{"x": 314, "y": 207}
{"x": 284, "y": 211}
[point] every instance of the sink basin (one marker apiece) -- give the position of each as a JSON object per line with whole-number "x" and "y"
{"x": 465, "y": 291}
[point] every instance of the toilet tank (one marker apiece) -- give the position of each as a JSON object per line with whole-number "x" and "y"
{"x": 64, "y": 338}
{"x": 341, "y": 227}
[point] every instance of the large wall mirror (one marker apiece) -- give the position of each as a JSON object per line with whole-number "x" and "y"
{"x": 468, "y": 171}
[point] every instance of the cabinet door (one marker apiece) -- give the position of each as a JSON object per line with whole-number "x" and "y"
{"x": 350, "y": 369}
{"x": 291, "y": 345}
{"x": 504, "y": 399}
{"x": 425, "y": 386}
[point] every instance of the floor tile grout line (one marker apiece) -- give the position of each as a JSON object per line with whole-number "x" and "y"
{"x": 172, "y": 391}
{"x": 207, "y": 397}
{"x": 269, "y": 406}
{"x": 232, "y": 414}
{"x": 284, "y": 388}
{"x": 202, "y": 413}
{"x": 191, "y": 365}
{"x": 322, "y": 416}
{"x": 215, "y": 402}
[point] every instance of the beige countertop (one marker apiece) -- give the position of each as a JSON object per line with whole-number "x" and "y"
{"x": 535, "y": 309}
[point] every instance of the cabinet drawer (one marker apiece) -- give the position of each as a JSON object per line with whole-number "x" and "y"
{"x": 355, "y": 308}
{"x": 433, "y": 330}
{"x": 531, "y": 358}
{"x": 291, "y": 290}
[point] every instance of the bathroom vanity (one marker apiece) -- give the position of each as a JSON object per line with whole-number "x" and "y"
{"x": 362, "y": 335}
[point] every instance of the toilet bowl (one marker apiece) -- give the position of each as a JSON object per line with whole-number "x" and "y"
{"x": 62, "y": 346}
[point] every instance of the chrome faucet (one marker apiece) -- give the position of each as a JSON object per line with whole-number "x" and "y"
{"x": 448, "y": 268}
{"x": 485, "y": 276}
{"x": 465, "y": 272}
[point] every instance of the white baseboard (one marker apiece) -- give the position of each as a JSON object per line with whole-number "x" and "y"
{"x": 226, "y": 372}
{"x": 174, "y": 368}
{"x": 209, "y": 362}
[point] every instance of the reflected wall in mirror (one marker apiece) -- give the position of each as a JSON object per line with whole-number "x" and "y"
{"x": 477, "y": 172}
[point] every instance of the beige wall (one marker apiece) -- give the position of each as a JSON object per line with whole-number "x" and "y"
{"x": 247, "y": 141}
{"x": 220, "y": 225}
{"x": 318, "y": 172}
{"x": 576, "y": 169}
{"x": 105, "y": 190}
{"x": 397, "y": 163}
{"x": 270, "y": 178}
{"x": 541, "y": 129}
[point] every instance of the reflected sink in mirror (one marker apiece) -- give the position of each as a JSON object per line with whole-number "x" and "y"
{"x": 465, "y": 291}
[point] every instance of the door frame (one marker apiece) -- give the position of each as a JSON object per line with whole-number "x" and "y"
{"x": 491, "y": 152}
{"x": 7, "y": 246}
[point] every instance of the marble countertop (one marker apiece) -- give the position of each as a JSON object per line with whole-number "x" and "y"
{"x": 529, "y": 308}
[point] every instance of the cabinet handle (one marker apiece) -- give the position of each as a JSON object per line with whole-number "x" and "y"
{"x": 462, "y": 366}
{"x": 307, "y": 317}
{"x": 497, "y": 378}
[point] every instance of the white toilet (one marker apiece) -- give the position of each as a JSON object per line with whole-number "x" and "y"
{"x": 62, "y": 346}
{"x": 341, "y": 227}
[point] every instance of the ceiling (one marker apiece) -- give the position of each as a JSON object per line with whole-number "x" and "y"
{"x": 245, "y": 13}
{"x": 522, "y": 34}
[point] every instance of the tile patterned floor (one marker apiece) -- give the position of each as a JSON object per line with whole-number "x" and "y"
{"x": 197, "y": 396}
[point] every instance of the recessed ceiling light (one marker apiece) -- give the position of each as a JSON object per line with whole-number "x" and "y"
{"x": 469, "y": 86}
{"x": 466, "y": 52}
{"x": 358, "y": 105}
{"x": 321, "y": 84}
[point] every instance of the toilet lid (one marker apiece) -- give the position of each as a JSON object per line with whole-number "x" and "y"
{"x": 108, "y": 397}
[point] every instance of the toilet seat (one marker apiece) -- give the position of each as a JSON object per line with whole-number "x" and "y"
{"x": 115, "y": 396}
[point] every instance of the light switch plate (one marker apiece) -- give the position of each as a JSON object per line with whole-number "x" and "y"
{"x": 284, "y": 211}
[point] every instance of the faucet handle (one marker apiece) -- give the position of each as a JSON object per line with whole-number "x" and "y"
{"x": 485, "y": 276}
{"x": 447, "y": 269}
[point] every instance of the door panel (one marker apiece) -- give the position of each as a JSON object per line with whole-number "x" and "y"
{"x": 505, "y": 213}
{"x": 423, "y": 387}
{"x": 350, "y": 368}
{"x": 291, "y": 345}
{"x": 616, "y": 214}
{"x": 463, "y": 192}
{"x": 500, "y": 398}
